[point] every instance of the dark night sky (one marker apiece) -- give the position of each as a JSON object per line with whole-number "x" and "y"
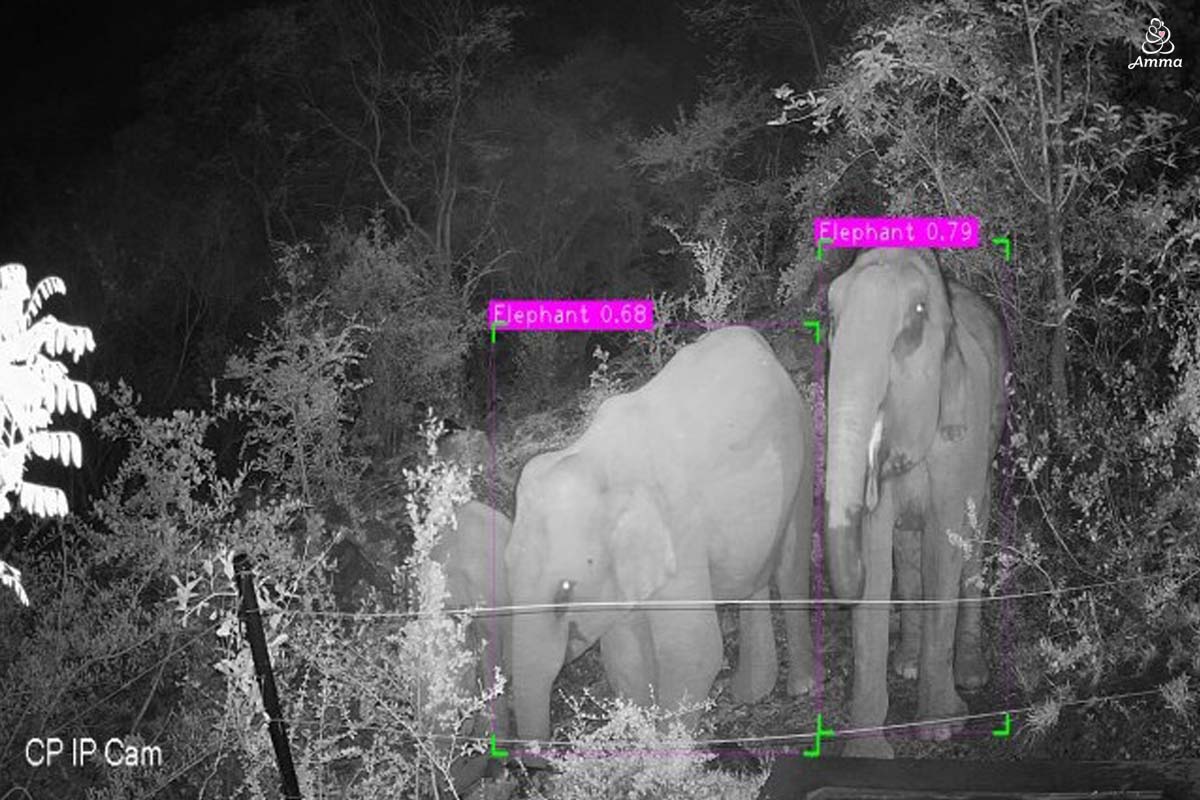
{"x": 73, "y": 70}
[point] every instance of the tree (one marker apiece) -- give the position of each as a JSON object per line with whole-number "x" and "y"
{"x": 34, "y": 387}
{"x": 955, "y": 123}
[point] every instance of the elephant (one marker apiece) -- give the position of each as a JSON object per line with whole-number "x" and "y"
{"x": 695, "y": 487}
{"x": 471, "y": 557}
{"x": 916, "y": 403}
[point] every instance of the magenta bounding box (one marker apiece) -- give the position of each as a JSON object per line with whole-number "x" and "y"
{"x": 934, "y": 232}
{"x": 571, "y": 315}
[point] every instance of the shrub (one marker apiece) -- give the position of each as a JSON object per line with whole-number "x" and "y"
{"x": 296, "y": 385}
{"x": 420, "y": 327}
{"x": 621, "y": 750}
{"x": 33, "y": 387}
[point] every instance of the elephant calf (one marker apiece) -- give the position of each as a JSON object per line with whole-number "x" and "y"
{"x": 472, "y": 558}
{"x": 696, "y": 487}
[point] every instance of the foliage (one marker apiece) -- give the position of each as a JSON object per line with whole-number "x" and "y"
{"x": 601, "y": 385}
{"x": 385, "y": 698}
{"x": 937, "y": 110}
{"x": 36, "y": 386}
{"x": 722, "y": 173}
{"x": 297, "y": 383}
{"x": 714, "y": 300}
{"x": 103, "y": 651}
{"x": 33, "y": 387}
{"x": 100, "y": 651}
{"x": 419, "y": 321}
{"x": 668, "y": 335}
{"x": 550, "y": 146}
{"x": 619, "y": 749}
{"x": 433, "y": 642}
{"x": 541, "y": 362}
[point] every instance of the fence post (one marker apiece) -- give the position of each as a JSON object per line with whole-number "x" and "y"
{"x": 266, "y": 678}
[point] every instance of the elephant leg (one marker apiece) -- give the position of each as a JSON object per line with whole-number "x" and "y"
{"x": 758, "y": 663}
{"x": 869, "y": 704}
{"x": 908, "y": 587}
{"x": 688, "y": 649}
{"x": 970, "y": 670}
{"x": 626, "y": 654}
{"x": 941, "y": 568}
{"x": 793, "y": 578}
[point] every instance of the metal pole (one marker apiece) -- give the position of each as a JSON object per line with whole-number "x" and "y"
{"x": 266, "y": 678}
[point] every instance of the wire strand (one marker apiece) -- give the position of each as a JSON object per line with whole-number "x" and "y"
{"x": 769, "y": 739}
{"x": 684, "y": 605}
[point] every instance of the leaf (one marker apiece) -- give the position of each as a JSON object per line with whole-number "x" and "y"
{"x": 45, "y": 289}
{"x": 86, "y": 399}
{"x": 43, "y": 501}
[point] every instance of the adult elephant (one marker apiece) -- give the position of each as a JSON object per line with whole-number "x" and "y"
{"x": 696, "y": 487}
{"x": 472, "y": 559}
{"x": 916, "y": 403}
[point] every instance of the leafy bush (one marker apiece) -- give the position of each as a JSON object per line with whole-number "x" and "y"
{"x": 296, "y": 385}
{"x": 35, "y": 386}
{"x": 540, "y": 361}
{"x": 420, "y": 326}
{"x": 621, "y": 750}
{"x": 101, "y": 653}
{"x": 601, "y": 385}
{"x": 375, "y": 706}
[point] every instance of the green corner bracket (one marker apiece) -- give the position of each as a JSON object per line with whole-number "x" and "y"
{"x": 1006, "y": 731}
{"x": 1006, "y": 243}
{"x": 496, "y": 322}
{"x": 814, "y": 325}
{"x": 822, "y": 733}
{"x": 821, "y": 247}
{"x": 493, "y": 751}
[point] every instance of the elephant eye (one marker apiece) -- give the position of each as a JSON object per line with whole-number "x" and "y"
{"x": 563, "y": 595}
{"x": 919, "y": 308}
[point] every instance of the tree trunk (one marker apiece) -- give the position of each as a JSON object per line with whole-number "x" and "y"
{"x": 1050, "y": 131}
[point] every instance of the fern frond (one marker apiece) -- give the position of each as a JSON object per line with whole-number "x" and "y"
{"x": 47, "y": 287}
{"x": 13, "y": 278}
{"x": 44, "y": 501}
{"x": 10, "y": 576}
{"x": 82, "y": 399}
{"x": 63, "y": 445}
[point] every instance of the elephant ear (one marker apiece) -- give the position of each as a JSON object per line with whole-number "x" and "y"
{"x": 642, "y": 553}
{"x": 952, "y": 416}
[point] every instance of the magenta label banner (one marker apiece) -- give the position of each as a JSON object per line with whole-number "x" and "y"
{"x": 571, "y": 315}
{"x": 933, "y": 232}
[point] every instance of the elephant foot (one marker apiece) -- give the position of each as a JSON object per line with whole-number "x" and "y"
{"x": 970, "y": 670}
{"x": 945, "y": 710}
{"x": 874, "y": 747}
{"x": 751, "y": 685}
{"x": 800, "y": 680}
{"x": 904, "y": 663}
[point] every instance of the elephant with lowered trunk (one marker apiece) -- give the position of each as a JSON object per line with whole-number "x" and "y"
{"x": 916, "y": 403}
{"x": 696, "y": 487}
{"x": 469, "y": 556}
{"x": 472, "y": 557}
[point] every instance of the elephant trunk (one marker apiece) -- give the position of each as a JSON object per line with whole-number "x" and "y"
{"x": 539, "y": 650}
{"x": 856, "y": 390}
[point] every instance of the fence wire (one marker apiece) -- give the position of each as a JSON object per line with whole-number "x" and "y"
{"x": 688, "y": 605}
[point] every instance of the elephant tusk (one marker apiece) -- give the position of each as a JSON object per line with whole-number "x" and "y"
{"x": 873, "y": 463}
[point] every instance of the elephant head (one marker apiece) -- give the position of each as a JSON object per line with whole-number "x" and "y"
{"x": 896, "y": 380}
{"x": 577, "y": 538}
